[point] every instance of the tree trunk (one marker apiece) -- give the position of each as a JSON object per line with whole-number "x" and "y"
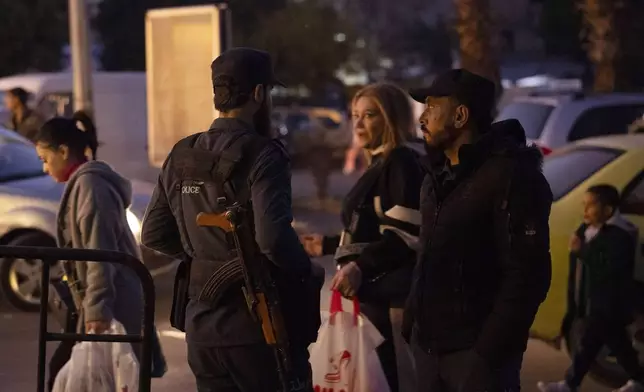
{"x": 613, "y": 30}
{"x": 477, "y": 43}
{"x": 603, "y": 43}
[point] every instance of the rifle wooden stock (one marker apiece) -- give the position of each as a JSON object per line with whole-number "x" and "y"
{"x": 214, "y": 220}
{"x": 272, "y": 322}
{"x": 265, "y": 319}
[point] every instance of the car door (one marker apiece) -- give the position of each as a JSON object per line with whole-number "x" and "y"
{"x": 633, "y": 209}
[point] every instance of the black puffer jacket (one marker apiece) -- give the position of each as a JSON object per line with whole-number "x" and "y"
{"x": 484, "y": 267}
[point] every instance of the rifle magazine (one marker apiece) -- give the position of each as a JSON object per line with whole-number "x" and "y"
{"x": 221, "y": 281}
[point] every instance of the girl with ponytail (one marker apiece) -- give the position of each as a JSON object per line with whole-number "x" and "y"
{"x": 92, "y": 215}
{"x": 85, "y": 124}
{"x": 62, "y": 144}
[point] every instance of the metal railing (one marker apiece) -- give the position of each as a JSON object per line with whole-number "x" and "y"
{"x": 50, "y": 256}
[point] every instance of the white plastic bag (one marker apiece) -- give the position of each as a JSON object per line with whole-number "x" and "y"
{"x": 100, "y": 367}
{"x": 344, "y": 358}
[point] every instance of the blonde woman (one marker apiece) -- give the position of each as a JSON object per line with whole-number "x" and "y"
{"x": 376, "y": 250}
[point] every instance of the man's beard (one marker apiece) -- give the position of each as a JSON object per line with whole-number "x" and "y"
{"x": 444, "y": 139}
{"x": 262, "y": 121}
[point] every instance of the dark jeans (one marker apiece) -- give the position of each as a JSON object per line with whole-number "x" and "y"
{"x": 599, "y": 332}
{"x": 464, "y": 371}
{"x": 246, "y": 369}
{"x": 379, "y": 317}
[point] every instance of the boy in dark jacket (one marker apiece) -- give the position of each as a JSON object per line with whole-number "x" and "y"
{"x": 603, "y": 249}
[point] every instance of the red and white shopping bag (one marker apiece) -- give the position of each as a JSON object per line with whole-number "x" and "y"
{"x": 344, "y": 357}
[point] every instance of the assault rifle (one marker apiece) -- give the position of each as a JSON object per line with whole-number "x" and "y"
{"x": 259, "y": 287}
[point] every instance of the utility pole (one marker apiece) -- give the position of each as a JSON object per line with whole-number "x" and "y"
{"x": 80, "y": 52}
{"x": 226, "y": 23}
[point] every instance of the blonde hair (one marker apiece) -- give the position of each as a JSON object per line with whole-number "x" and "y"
{"x": 394, "y": 106}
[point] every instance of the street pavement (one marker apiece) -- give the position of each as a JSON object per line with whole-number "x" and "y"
{"x": 18, "y": 331}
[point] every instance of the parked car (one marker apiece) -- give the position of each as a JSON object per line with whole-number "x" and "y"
{"x": 615, "y": 160}
{"x": 552, "y": 121}
{"x": 29, "y": 201}
{"x": 309, "y": 128}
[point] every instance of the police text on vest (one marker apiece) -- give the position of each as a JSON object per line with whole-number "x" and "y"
{"x": 190, "y": 190}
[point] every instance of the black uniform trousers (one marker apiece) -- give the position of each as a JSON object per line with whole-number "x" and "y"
{"x": 464, "y": 371}
{"x": 249, "y": 368}
{"x": 600, "y": 331}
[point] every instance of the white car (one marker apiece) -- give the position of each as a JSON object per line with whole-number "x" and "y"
{"x": 553, "y": 121}
{"x": 29, "y": 201}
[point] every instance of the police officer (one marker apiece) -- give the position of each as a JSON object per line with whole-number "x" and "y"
{"x": 484, "y": 264}
{"x": 236, "y": 161}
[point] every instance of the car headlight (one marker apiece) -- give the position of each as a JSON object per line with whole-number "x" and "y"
{"x": 134, "y": 223}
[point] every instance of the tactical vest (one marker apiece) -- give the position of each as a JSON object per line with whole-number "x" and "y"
{"x": 208, "y": 181}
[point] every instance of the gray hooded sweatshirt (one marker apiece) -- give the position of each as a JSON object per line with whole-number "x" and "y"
{"x": 92, "y": 215}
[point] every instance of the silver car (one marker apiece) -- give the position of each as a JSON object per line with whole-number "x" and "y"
{"x": 29, "y": 201}
{"x": 552, "y": 121}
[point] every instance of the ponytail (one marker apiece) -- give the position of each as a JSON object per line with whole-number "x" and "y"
{"x": 77, "y": 133}
{"x": 85, "y": 124}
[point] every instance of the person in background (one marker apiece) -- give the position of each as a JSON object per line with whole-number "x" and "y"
{"x": 377, "y": 249}
{"x": 320, "y": 162}
{"x": 24, "y": 121}
{"x": 484, "y": 263}
{"x": 601, "y": 289}
{"x": 92, "y": 215}
{"x": 637, "y": 126}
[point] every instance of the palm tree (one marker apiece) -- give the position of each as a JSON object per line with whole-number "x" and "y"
{"x": 602, "y": 41}
{"x": 477, "y": 44}
{"x": 612, "y": 31}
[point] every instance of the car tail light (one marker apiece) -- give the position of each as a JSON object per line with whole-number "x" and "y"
{"x": 544, "y": 150}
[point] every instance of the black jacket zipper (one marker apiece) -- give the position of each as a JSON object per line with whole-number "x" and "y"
{"x": 421, "y": 276}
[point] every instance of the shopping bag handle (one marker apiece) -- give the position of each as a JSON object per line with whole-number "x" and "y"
{"x": 336, "y": 306}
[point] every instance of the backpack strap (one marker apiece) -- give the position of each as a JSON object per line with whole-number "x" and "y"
{"x": 236, "y": 162}
{"x": 185, "y": 157}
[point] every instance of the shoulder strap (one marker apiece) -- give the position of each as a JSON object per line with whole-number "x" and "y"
{"x": 181, "y": 165}
{"x": 190, "y": 140}
{"x": 238, "y": 159}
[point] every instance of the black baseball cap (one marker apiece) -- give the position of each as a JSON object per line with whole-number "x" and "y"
{"x": 474, "y": 91}
{"x": 245, "y": 67}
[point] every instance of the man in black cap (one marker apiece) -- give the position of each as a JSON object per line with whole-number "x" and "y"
{"x": 484, "y": 264}
{"x": 236, "y": 162}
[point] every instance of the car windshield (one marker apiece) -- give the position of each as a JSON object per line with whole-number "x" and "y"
{"x": 567, "y": 169}
{"x": 532, "y": 116}
{"x": 18, "y": 161}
